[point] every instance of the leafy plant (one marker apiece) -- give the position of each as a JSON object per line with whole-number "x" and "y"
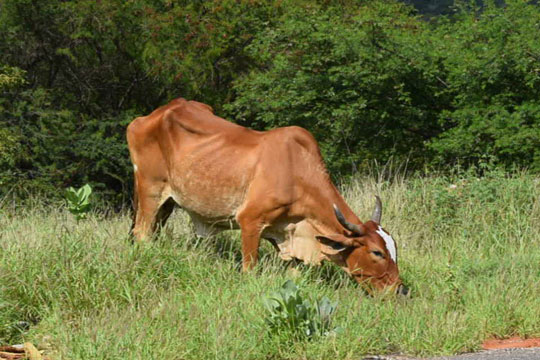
{"x": 291, "y": 313}
{"x": 370, "y": 80}
{"x": 79, "y": 201}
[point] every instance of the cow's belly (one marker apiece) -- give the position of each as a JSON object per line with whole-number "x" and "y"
{"x": 210, "y": 202}
{"x": 211, "y": 226}
{"x": 212, "y": 187}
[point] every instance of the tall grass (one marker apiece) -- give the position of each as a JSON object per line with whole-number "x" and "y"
{"x": 469, "y": 248}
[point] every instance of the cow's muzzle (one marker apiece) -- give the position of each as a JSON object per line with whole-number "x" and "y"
{"x": 402, "y": 290}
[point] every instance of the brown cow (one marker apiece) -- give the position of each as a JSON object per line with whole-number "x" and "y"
{"x": 271, "y": 185}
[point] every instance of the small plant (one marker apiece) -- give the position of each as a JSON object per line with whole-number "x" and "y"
{"x": 289, "y": 312}
{"x": 79, "y": 201}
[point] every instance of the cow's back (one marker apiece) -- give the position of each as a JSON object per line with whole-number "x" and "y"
{"x": 204, "y": 162}
{"x": 207, "y": 164}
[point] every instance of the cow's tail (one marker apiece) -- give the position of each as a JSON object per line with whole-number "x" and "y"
{"x": 134, "y": 209}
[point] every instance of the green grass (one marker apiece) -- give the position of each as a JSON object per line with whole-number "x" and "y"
{"x": 470, "y": 254}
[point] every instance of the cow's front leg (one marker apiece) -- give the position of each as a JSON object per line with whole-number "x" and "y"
{"x": 250, "y": 246}
{"x": 255, "y": 216}
{"x": 251, "y": 227}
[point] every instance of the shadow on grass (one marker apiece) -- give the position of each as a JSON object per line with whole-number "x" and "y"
{"x": 227, "y": 246}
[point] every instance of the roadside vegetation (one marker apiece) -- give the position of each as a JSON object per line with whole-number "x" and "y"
{"x": 451, "y": 91}
{"x": 373, "y": 80}
{"x": 468, "y": 247}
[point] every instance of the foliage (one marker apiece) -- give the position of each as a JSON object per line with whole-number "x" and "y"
{"x": 198, "y": 48}
{"x": 79, "y": 201}
{"x": 291, "y": 314}
{"x": 10, "y": 77}
{"x": 66, "y": 118}
{"x": 50, "y": 148}
{"x": 432, "y": 7}
{"x": 372, "y": 80}
{"x": 363, "y": 84}
{"x": 493, "y": 73}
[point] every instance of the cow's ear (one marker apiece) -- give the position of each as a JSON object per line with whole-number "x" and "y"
{"x": 333, "y": 244}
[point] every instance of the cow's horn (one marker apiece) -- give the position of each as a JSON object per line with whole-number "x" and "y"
{"x": 355, "y": 229}
{"x": 377, "y": 212}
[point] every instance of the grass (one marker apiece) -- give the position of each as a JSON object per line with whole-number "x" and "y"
{"x": 469, "y": 248}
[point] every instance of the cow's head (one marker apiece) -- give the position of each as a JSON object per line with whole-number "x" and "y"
{"x": 366, "y": 251}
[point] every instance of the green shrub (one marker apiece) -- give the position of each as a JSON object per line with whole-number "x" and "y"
{"x": 79, "y": 201}
{"x": 289, "y": 312}
{"x": 364, "y": 84}
{"x": 370, "y": 79}
{"x": 492, "y": 72}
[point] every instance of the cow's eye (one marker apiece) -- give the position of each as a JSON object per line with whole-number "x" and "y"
{"x": 378, "y": 253}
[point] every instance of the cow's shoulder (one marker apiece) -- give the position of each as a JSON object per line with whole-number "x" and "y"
{"x": 296, "y": 136}
{"x": 199, "y": 106}
{"x": 182, "y": 108}
{"x": 196, "y": 118}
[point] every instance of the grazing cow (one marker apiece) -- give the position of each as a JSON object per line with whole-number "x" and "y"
{"x": 270, "y": 184}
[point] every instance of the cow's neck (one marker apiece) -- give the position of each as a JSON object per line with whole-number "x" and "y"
{"x": 323, "y": 218}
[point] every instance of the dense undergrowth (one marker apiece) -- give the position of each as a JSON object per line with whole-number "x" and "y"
{"x": 371, "y": 80}
{"x": 469, "y": 248}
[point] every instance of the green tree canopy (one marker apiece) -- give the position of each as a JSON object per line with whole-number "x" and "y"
{"x": 372, "y": 80}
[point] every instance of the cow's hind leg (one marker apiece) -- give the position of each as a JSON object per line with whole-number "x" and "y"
{"x": 134, "y": 208}
{"x": 163, "y": 214}
{"x": 153, "y": 209}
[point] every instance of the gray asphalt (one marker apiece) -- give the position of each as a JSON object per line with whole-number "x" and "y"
{"x": 504, "y": 354}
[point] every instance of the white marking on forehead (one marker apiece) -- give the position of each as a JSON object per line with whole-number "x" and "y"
{"x": 135, "y": 167}
{"x": 390, "y": 243}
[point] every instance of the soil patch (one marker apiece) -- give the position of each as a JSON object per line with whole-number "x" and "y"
{"x": 513, "y": 342}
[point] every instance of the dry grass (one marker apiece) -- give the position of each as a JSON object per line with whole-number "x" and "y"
{"x": 469, "y": 252}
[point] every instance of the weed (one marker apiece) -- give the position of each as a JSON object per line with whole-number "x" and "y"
{"x": 290, "y": 312}
{"x": 79, "y": 201}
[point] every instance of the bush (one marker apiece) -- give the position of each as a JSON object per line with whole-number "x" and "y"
{"x": 290, "y": 313}
{"x": 364, "y": 84}
{"x": 371, "y": 80}
{"x": 492, "y": 61}
{"x": 79, "y": 201}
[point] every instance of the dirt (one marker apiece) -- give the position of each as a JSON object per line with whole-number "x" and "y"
{"x": 513, "y": 342}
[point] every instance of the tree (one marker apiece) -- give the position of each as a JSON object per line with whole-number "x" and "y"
{"x": 366, "y": 84}
{"x": 492, "y": 60}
